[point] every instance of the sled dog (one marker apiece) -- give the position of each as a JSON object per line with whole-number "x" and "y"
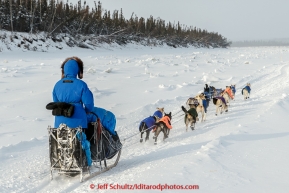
{"x": 198, "y": 101}
{"x": 163, "y": 125}
{"x": 189, "y": 119}
{"x": 151, "y": 121}
{"x": 221, "y": 105}
{"x": 246, "y": 91}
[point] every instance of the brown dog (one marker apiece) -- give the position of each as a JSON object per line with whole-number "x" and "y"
{"x": 163, "y": 125}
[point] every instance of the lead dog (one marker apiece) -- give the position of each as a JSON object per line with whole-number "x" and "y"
{"x": 246, "y": 91}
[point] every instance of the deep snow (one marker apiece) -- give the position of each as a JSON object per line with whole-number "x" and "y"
{"x": 244, "y": 150}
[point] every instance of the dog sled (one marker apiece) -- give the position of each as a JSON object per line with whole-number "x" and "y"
{"x": 68, "y": 158}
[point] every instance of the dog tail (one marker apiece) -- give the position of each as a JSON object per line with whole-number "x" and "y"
{"x": 184, "y": 109}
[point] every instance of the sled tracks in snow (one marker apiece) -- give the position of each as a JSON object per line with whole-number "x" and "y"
{"x": 104, "y": 169}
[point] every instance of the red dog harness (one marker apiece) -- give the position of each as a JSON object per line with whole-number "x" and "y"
{"x": 229, "y": 91}
{"x": 167, "y": 121}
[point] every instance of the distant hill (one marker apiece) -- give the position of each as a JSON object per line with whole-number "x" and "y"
{"x": 254, "y": 43}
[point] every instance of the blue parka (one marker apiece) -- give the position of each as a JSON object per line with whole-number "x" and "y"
{"x": 74, "y": 91}
{"x": 107, "y": 119}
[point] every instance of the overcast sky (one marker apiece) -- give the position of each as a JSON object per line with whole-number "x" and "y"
{"x": 234, "y": 19}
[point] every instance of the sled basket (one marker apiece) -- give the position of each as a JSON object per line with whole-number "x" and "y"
{"x": 65, "y": 151}
{"x": 67, "y": 156}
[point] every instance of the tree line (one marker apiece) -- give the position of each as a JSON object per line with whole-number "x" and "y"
{"x": 55, "y": 17}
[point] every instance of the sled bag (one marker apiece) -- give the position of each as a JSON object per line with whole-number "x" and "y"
{"x": 61, "y": 109}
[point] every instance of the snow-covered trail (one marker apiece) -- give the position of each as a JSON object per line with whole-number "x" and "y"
{"x": 195, "y": 157}
{"x": 244, "y": 150}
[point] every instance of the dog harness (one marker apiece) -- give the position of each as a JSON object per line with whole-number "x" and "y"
{"x": 221, "y": 98}
{"x": 246, "y": 88}
{"x": 167, "y": 121}
{"x": 229, "y": 91}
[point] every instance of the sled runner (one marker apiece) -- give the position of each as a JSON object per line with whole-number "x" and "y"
{"x": 68, "y": 158}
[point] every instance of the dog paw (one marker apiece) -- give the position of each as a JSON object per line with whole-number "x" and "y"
{"x": 141, "y": 140}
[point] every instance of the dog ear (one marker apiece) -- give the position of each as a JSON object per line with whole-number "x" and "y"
{"x": 160, "y": 109}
